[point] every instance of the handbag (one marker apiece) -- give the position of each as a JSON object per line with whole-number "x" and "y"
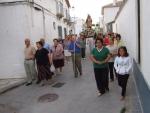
{"x": 52, "y": 68}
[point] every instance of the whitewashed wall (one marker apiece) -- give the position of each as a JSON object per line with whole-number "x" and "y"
{"x": 18, "y": 22}
{"x": 145, "y": 39}
{"x": 47, "y": 4}
{"x": 109, "y": 14}
{"x": 126, "y": 25}
{"x": 13, "y": 30}
{"x": 10, "y": 0}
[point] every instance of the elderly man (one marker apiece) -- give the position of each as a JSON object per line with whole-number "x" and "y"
{"x": 75, "y": 49}
{"x": 29, "y": 62}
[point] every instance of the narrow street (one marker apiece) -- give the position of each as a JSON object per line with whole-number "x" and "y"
{"x": 76, "y": 95}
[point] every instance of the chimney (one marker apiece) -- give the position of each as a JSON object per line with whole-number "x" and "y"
{"x": 114, "y": 2}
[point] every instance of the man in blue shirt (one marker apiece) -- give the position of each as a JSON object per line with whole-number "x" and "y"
{"x": 75, "y": 50}
{"x": 45, "y": 45}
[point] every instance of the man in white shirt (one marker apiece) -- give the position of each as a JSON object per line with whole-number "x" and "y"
{"x": 29, "y": 62}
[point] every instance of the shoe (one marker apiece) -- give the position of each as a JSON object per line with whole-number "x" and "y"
{"x": 39, "y": 81}
{"x": 28, "y": 83}
{"x": 42, "y": 84}
{"x": 80, "y": 74}
{"x": 99, "y": 94}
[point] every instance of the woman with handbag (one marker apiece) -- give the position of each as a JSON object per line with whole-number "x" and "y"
{"x": 43, "y": 60}
{"x": 58, "y": 55}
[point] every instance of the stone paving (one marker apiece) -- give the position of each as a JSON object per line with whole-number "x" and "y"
{"x": 75, "y": 95}
{"x": 7, "y": 84}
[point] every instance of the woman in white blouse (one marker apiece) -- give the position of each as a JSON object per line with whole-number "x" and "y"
{"x": 123, "y": 64}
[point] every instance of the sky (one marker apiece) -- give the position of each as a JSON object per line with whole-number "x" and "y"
{"x": 84, "y": 7}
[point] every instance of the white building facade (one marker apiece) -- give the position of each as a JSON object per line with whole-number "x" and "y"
{"x": 32, "y": 19}
{"x": 109, "y": 13}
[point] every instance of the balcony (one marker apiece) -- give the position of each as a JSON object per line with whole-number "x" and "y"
{"x": 67, "y": 18}
{"x": 59, "y": 13}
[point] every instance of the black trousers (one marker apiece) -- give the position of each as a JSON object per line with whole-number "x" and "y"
{"x": 122, "y": 82}
{"x": 111, "y": 70}
{"x": 83, "y": 52}
{"x": 101, "y": 77}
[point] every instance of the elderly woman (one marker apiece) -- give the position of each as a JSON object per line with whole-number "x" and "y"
{"x": 58, "y": 55}
{"x": 43, "y": 60}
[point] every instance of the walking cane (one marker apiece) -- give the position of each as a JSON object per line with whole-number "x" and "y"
{"x": 74, "y": 57}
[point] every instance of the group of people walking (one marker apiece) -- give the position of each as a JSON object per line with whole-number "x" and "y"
{"x": 39, "y": 59}
{"x": 109, "y": 57}
{"x": 44, "y": 56}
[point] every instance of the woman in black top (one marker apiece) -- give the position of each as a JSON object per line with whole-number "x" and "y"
{"x": 43, "y": 60}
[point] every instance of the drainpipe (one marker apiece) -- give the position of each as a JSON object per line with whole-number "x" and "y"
{"x": 139, "y": 31}
{"x": 44, "y": 30}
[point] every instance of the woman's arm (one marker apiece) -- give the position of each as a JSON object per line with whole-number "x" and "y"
{"x": 94, "y": 60}
{"x": 50, "y": 57}
{"x": 115, "y": 63}
{"x": 130, "y": 64}
{"x": 78, "y": 45}
{"x": 108, "y": 58}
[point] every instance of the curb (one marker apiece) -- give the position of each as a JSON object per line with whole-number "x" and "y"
{"x": 12, "y": 86}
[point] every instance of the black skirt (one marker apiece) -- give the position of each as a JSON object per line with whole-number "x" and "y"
{"x": 58, "y": 63}
{"x": 44, "y": 72}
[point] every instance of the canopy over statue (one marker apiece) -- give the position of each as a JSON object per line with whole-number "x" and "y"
{"x": 89, "y": 21}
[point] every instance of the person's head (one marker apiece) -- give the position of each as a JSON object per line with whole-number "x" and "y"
{"x": 122, "y": 51}
{"x": 111, "y": 41}
{"x": 66, "y": 37}
{"x": 82, "y": 35}
{"x": 76, "y": 35}
{"x": 56, "y": 42}
{"x": 27, "y": 42}
{"x": 42, "y": 40}
{"x": 118, "y": 37}
{"x": 99, "y": 42}
{"x": 109, "y": 35}
{"x": 106, "y": 36}
{"x": 73, "y": 38}
{"x": 99, "y": 35}
{"x": 61, "y": 41}
{"x": 39, "y": 44}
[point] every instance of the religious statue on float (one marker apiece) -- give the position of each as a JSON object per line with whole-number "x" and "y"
{"x": 89, "y": 32}
{"x": 89, "y": 21}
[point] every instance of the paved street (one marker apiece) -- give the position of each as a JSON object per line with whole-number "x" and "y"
{"x": 77, "y": 95}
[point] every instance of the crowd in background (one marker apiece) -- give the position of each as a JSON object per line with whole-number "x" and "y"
{"x": 108, "y": 54}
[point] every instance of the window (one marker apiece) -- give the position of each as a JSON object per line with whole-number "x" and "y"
{"x": 65, "y": 31}
{"x": 54, "y": 25}
{"x": 59, "y": 32}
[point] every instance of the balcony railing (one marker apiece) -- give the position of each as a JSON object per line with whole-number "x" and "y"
{"x": 67, "y": 16}
{"x": 60, "y": 12}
